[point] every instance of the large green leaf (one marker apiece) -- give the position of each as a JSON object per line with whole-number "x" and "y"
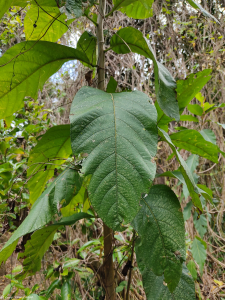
{"x": 50, "y": 152}
{"x": 189, "y": 87}
{"x": 39, "y": 243}
{"x": 189, "y": 180}
{"x": 191, "y": 140}
{"x": 42, "y": 211}
{"x": 50, "y": 23}
{"x": 87, "y": 43}
{"x": 155, "y": 288}
{"x": 196, "y": 5}
{"x": 130, "y": 39}
{"x": 198, "y": 250}
{"x": 208, "y": 135}
{"x": 141, "y": 9}
{"x": 119, "y": 133}
{"x": 25, "y": 67}
{"x": 160, "y": 225}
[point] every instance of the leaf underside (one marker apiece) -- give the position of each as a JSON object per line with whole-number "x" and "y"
{"x": 119, "y": 133}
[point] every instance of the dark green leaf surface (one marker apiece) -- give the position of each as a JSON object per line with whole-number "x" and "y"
{"x": 112, "y": 85}
{"x": 189, "y": 87}
{"x": 155, "y": 288}
{"x": 74, "y": 7}
{"x": 200, "y": 223}
{"x": 42, "y": 211}
{"x": 192, "y": 269}
{"x": 87, "y": 44}
{"x": 50, "y": 23}
{"x": 130, "y": 39}
{"x": 54, "y": 145}
{"x": 119, "y": 133}
{"x": 160, "y": 225}
{"x": 39, "y": 243}
{"x": 189, "y": 180}
{"x": 26, "y": 74}
{"x": 4, "y": 6}
{"x": 191, "y": 140}
{"x": 198, "y": 6}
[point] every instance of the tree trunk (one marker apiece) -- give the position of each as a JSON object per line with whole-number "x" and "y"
{"x": 109, "y": 278}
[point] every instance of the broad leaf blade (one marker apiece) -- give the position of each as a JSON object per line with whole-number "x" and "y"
{"x": 112, "y": 85}
{"x": 130, "y": 39}
{"x": 189, "y": 180}
{"x": 191, "y": 140}
{"x": 119, "y": 133}
{"x": 50, "y": 152}
{"x": 156, "y": 290}
{"x": 50, "y": 24}
{"x": 189, "y": 87}
{"x": 31, "y": 69}
{"x": 74, "y": 7}
{"x": 209, "y": 135}
{"x": 66, "y": 290}
{"x": 4, "y": 6}
{"x": 160, "y": 225}
{"x": 42, "y": 211}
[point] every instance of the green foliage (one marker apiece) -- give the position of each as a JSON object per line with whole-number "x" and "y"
{"x": 130, "y": 39}
{"x": 137, "y": 9}
{"x": 191, "y": 140}
{"x": 50, "y": 152}
{"x": 43, "y": 210}
{"x": 121, "y": 140}
{"x": 46, "y": 23}
{"x": 192, "y": 269}
{"x": 44, "y": 60}
{"x": 156, "y": 289}
{"x": 39, "y": 243}
{"x": 87, "y": 44}
{"x": 198, "y": 250}
{"x": 188, "y": 88}
{"x": 160, "y": 225}
{"x": 112, "y": 85}
{"x": 66, "y": 291}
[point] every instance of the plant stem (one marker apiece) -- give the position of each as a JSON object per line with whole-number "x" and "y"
{"x": 130, "y": 271}
{"x": 109, "y": 278}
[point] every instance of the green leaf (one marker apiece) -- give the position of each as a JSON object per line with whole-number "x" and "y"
{"x": 39, "y": 243}
{"x": 156, "y": 289}
{"x": 119, "y": 133}
{"x": 209, "y": 135}
{"x": 162, "y": 119}
{"x": 160, "y": 225}
{"x": 42, "y": 211}
{"x": 198, "y": 250}
{"x": 66, "y": 290}
{"x": 192, "y": 269}
{"x": 200, "y": 223}
{"x": 187, "y": 175}
{"x": 74, "y": 7}
{"x": 112, "y": 85}
{"x": 46, "y": 24}
{"x": 4, "y": 6}
{"x": 87, "y": 44}
{"x": 7, "y": 290}
{"x": 188, "y": 118}
{"x": 39, "y": 60}
{"x": 130, "y": 39}
{"x": 141, "y": 9}
{"x": 54, "y": 145}
{"x": 222, "y": 125}
{"x": 56, "y": 284}
{"x": 35, "y": 297}
{"x": 191, "y": 140}
{"x": 195, "y": 109}
{"x": 189, "y": 87}
{"x": 196, "y": 5}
